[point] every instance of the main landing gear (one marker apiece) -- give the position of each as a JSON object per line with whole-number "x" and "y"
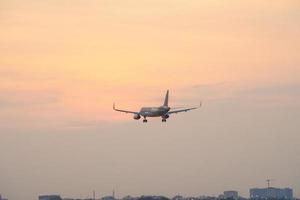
{"x": 145, "y": 120}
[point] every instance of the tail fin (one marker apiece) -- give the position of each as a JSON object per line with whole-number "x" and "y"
{"x": 166, "y": 99}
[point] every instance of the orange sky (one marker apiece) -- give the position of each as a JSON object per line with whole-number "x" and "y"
{"x": 83, "y": 50}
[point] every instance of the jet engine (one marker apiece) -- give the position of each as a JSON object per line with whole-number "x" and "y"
{"x": 166, "y": 116}
{"x": 136, "y": 116}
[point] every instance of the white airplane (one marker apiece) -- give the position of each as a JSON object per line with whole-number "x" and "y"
{"x": 163, "y": 111}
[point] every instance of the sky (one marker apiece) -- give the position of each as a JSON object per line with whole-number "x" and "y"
{"x": 64, "y": 62}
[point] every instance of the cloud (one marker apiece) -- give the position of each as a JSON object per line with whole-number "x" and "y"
{"x": 216, "y": 90}
{"x": 26, "y": 97}
{"x": 266, "y": 94}
{"x": 292, "y": 89}
{"x": 80, "y": 123}
{"x": 272, "y": 95}
{"x": 11, "y": 73}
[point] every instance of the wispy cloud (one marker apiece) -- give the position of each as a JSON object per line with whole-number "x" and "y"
{"x": 291, "y": 89}
{"x": 258, "y": 93}
{"x": 14, "y": 74}
{"x": 21, "y": 97}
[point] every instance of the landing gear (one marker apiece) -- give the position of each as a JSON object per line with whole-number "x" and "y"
{"x": 144, "y": 120}
{"x": 163, "y": 120}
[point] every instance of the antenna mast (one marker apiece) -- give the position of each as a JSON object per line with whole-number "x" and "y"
{"x": 269, "y": 182}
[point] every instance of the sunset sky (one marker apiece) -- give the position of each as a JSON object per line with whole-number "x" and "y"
{"x": 64, "y": 62}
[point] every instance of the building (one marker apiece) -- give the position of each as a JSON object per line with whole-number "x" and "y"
{"x": 153, "y": 198}
{"x": 178, "y": 197}
{"x": 128, "y": 197}
{"x": 231, "y": 194}
{"x": 271, "y": 192}
{"x": 1, "y": 198}
{"x": 108, "y": 198}
{"x": 50, "y": 197}
{"x": 79, "y": 199}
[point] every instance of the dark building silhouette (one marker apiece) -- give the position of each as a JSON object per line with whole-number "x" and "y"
{"x": 153, "y": 198}
{"x": 271, "y": 193}
{"x": 50, "y": 197}
{"x": 231, "y": 194}
{"x": 1, "y": 198}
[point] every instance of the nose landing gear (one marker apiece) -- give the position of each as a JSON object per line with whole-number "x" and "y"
{"x": 144, "y": 120}
{"x": 163, "y": 120}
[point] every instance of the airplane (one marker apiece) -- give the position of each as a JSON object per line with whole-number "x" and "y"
{"x": 163, "y": 111}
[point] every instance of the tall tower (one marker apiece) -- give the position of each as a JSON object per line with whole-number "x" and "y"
{"x": 269, "y": 182}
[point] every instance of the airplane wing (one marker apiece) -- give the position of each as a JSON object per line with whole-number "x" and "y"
{"x": 125, "y": 111}
{"x": 183, "y": 110}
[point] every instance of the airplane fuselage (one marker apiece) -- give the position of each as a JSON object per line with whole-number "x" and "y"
{"x": 154, "y": 111}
